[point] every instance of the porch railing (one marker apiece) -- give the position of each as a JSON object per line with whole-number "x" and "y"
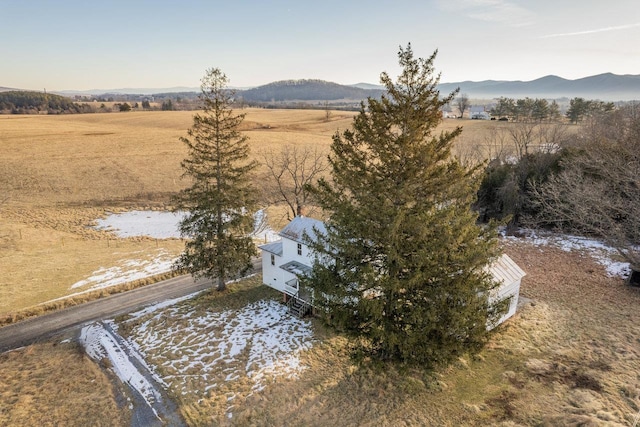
{"x": 292, "y": 287}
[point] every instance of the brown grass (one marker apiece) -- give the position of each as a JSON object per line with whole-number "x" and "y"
{"x": 61, "y": 173}
{"x": 56, "y": 385}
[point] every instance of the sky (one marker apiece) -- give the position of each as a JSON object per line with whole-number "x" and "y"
{"x": 87, "y": 44}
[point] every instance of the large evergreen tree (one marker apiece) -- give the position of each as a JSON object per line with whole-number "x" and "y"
{"x": 219, "y": 203}
{"x": 405, "y": 261}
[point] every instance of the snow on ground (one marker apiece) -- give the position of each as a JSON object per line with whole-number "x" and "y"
{"x": 603, "y": 254}
{"x": 129, "y": 270}
{"x": 157, "y": 224}
{"x": 199, "y": 352}
{"x": 164, "y": 225}
{"x": 100, "y": 343}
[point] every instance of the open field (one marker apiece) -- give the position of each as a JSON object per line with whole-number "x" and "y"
{"x": 56, "y": 384}
{"x": 58, "y": 174}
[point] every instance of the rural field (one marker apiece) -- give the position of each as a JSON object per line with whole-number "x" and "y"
{"x": 59, "y": 174}
{"x": 569, "y": 357}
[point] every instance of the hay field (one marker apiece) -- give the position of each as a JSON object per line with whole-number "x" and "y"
{"x": 58, "y": 174}
{"x": 56, "y": 384}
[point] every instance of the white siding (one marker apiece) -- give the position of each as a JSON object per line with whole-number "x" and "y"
{"x": 274, "y": 276}
{"x": 507, "y": 273}
{"x": 290, "y": 252}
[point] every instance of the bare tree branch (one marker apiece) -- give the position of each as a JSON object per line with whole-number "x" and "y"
{"x": 598, "y": 191}
{"x": 288, "y": 173}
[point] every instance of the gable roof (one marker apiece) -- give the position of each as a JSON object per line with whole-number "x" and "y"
{"x": 505, "y": 270}
{"x": 300, "y": 226}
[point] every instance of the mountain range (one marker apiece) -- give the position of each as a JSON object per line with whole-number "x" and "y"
{"x": 606, "y": 87}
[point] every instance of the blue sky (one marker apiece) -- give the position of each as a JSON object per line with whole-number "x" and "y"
{"x": 118, "y": 44}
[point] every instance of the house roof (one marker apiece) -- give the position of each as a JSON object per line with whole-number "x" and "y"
{"x": 296, "y": 268}
{"x": 505, "y": 270}
{"x": 273, "y": 247}
{"x": 300, "y": 226}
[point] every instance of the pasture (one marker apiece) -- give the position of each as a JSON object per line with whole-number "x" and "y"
{"x": 568, "y": 357}
{"x": 58, "y": 174}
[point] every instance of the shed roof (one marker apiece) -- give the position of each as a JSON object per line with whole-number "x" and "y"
{"x": 273, "y": 247}
{"x": 300, "y": 226}
{"x": 297, "y": 268}
{"x": 505, "y": 270}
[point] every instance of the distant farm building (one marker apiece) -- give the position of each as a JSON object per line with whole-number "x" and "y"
{"x": 479, "y": 113}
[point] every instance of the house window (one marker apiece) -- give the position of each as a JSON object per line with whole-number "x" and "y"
{"x": 273, "y": 259}
{"x": 299, "y": 248}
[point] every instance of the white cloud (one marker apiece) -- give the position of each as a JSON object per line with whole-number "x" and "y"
{"x": 597, "y": 30}
{"x": 500, "y": 11}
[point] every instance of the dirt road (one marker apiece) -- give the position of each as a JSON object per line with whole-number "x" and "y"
{"x": 43, "y": 327}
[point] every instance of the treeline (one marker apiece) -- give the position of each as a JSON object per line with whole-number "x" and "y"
{"x": 584, "y": 181}
{"x": 580, "y": 108}
{"x": 541, "y": 110}
{"x": 527, "y": 109}
{"x": 26, "y": 102}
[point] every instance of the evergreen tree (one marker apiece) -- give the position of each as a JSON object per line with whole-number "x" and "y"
{"x": 405, "y": 261}
{"x": 220, "y": 201}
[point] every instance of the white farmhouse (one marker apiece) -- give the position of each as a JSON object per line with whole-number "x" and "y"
{"x": 285, "y": 260}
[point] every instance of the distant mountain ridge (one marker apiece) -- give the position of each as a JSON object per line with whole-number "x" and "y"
{"x": 306, "y": 90}
{"x": 606, "y": 87}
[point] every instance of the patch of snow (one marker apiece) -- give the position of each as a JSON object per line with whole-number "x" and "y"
{"x": 205, "y": 349}
{"x": 157, "y": 224}
{"x": 165, "y": 225}
{"x": 99, "y": 343}
{"x": 129, "y": 271}
{"x": 602, "y": 253}
{"x": 261, "y": 229}
{"x": 159, "y": 306}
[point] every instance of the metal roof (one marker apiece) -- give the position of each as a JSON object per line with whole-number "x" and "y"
{"x": 300, "y": 226}
{"x": 296, "y": 268}
{"x": 505, "y": 270}
{"x": 274, "y": 247}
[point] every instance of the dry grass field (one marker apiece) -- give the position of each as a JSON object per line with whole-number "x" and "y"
{"x": 58, "y": 174}
{"x": 569, "y": 357}
{"x": 56, "y": 385}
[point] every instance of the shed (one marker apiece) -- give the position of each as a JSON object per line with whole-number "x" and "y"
{"x": 508, "y": 275}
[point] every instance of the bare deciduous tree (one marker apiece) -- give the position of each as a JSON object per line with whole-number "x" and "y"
{"x": 290, "y": 171}
{"x": 462, "y": 102}
{"x": 327, "y": 111}
{"x": 598, "y": 191}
